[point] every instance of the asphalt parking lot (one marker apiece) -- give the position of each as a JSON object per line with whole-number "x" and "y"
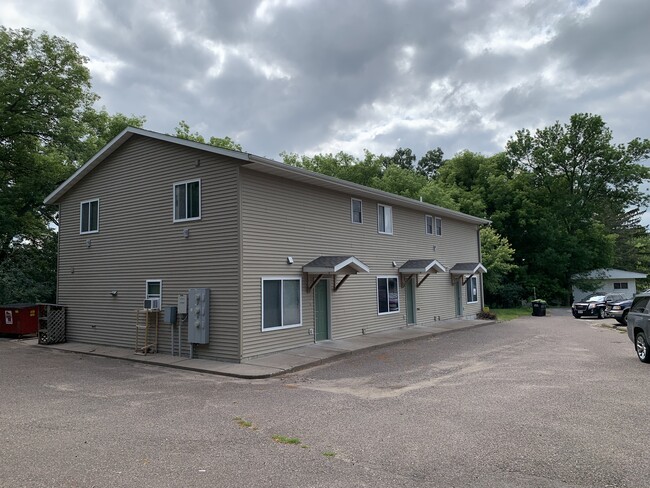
{"x": 539, "y": 401}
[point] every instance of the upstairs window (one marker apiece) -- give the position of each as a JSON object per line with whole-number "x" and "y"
{"x": 357, "y": 211}
{"x": 89, "y": 221}
{"x": 438, "y": 226}
{"x": 472, "y": 290}
{"x": 187, "y": 200}
{"x": 384, "y": 219}
{"x": 428, "y": 225}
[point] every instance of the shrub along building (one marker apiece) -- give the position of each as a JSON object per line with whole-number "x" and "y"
{"x": 289, "y": 256}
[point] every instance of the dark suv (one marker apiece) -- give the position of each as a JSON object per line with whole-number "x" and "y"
{"x": 594, "y": 305}
{"x": 638, "y": 325}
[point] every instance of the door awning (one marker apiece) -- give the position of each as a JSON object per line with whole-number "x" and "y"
{"x": 465, "y": 271}
{"x": 417, "y": 267}
{"x": 333, "y": 265}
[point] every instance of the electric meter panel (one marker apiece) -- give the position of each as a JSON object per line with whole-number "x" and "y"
{"x": 198, "y": 316}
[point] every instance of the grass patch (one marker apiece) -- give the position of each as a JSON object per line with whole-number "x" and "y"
{"x": 511, "y": 313}
{"x": 243, "y": 423}
{"x": 329, "y": 454}
{"x": 281, "y": 439}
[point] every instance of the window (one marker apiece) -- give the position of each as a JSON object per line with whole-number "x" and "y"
{"x": 438, "y": 226}
{"x": 620, "y": 286}
{"x": 281, "y": 303}
{"x": 154, "y": 289}
{"x": 89, "y": 220}
{"x": 428, "y": 225}
{"x": 357, "y": 211}
{"x": 384, "y": 219}
{"x": 639, "y": 304}
{"x": 387, "y": 295}
{"x": 187, "y": 200}
{"x": 472, "y": 290}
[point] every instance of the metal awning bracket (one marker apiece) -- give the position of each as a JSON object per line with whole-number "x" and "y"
{"x": 404, "y": 279}
{"x": 313, "y": 283}
{"x": 466, "y": 278}
{"x": 335, "y": 285}
{"x": 422, "y": 280}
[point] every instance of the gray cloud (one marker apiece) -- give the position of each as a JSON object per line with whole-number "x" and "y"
{"x": 307, "y": 75}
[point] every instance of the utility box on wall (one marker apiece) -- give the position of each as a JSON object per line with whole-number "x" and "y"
{"x": 198, "y": 316}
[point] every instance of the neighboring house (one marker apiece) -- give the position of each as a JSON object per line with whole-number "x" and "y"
{"x": 609, "y": 281}
{"x": 289, "y": 256}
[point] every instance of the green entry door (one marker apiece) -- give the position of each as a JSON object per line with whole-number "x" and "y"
{"x": 322, "y": 310}
{"x": 410, "y": 301}
{"x": 458, "y": 292}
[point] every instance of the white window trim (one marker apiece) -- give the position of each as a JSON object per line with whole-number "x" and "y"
{"x": 398, "y": 302}
{"x": 352, "y": 200}
{"x": 148, "y": 296}
{"x": 426, "y": 225}
{"x": 81, "y": 205}
{"x": 281, "y": 278}
{"x": 473, "y": 279}
{"x": 186, "y": 182}
{"x": 435, "y": 227}
{"x": 392, "y": 220}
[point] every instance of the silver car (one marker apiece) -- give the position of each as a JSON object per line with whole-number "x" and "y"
{"x": 638, "y": 325}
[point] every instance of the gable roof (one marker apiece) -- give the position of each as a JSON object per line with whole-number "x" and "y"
{"x": 419, "y": 266}
{"x": 261, "y": 164}
{"x": 467, "y": 269}
{"x": 335, "y": 264}
{"x": 609, "y": 274}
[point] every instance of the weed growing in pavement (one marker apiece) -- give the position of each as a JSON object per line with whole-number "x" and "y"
{"x": 286, "y": 440}
{"x": 329, "y": 454}
{"x": 243, "y": 423}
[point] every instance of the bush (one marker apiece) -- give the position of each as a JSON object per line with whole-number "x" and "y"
{"x": 486, "y": 315}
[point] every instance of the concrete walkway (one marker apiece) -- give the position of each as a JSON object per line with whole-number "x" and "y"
{"x": 280, "y": 362}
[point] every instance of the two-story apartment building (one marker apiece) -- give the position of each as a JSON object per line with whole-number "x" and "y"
{"x": 289, "y": 256}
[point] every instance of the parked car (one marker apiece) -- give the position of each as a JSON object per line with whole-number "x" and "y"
{"x": 619, "y": 310}
{"x": 638, "y": 325}
{"x": 594, "y": 305}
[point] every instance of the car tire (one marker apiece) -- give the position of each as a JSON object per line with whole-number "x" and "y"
{"x": 623, "y": 320}
{"x": 641, "y": 346}
{"x": 576, "y": 316}
{"x": 601, "y": 314}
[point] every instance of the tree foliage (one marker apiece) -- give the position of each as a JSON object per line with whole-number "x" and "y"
{"x": 48, "y": 127}
{"x": 183, "y": 131}
{"x": 429, "y": 164}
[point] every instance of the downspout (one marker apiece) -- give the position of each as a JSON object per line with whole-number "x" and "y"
{"x": 58, "y": 257}
{"x": 480, "y": 260}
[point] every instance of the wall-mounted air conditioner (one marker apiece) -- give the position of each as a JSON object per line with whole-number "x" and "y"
{"x": 151, "y": 304}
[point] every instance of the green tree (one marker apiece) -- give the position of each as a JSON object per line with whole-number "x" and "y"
{"x": 403, "y": 158}
{"x": 44, "y": 92}
{"x": 341, "y": 165}
{"x": 579, "y": 172}
{"x": 429, "y": 164}
{"x": 497, "y": 256}
{"x": 48, "y": 127}
{"x": 571, "y": 183}
{"x": 183, "y": 131}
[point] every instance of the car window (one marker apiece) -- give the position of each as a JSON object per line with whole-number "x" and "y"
{"x": 594, "y": 298}
{"x": 640, "y": 304}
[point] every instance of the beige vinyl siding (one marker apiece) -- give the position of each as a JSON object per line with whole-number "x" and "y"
{"x": 138, "y": 241}
{"x": 281, "y": 218}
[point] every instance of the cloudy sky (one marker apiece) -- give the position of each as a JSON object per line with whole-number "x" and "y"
{"x": 312, "y": 76}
